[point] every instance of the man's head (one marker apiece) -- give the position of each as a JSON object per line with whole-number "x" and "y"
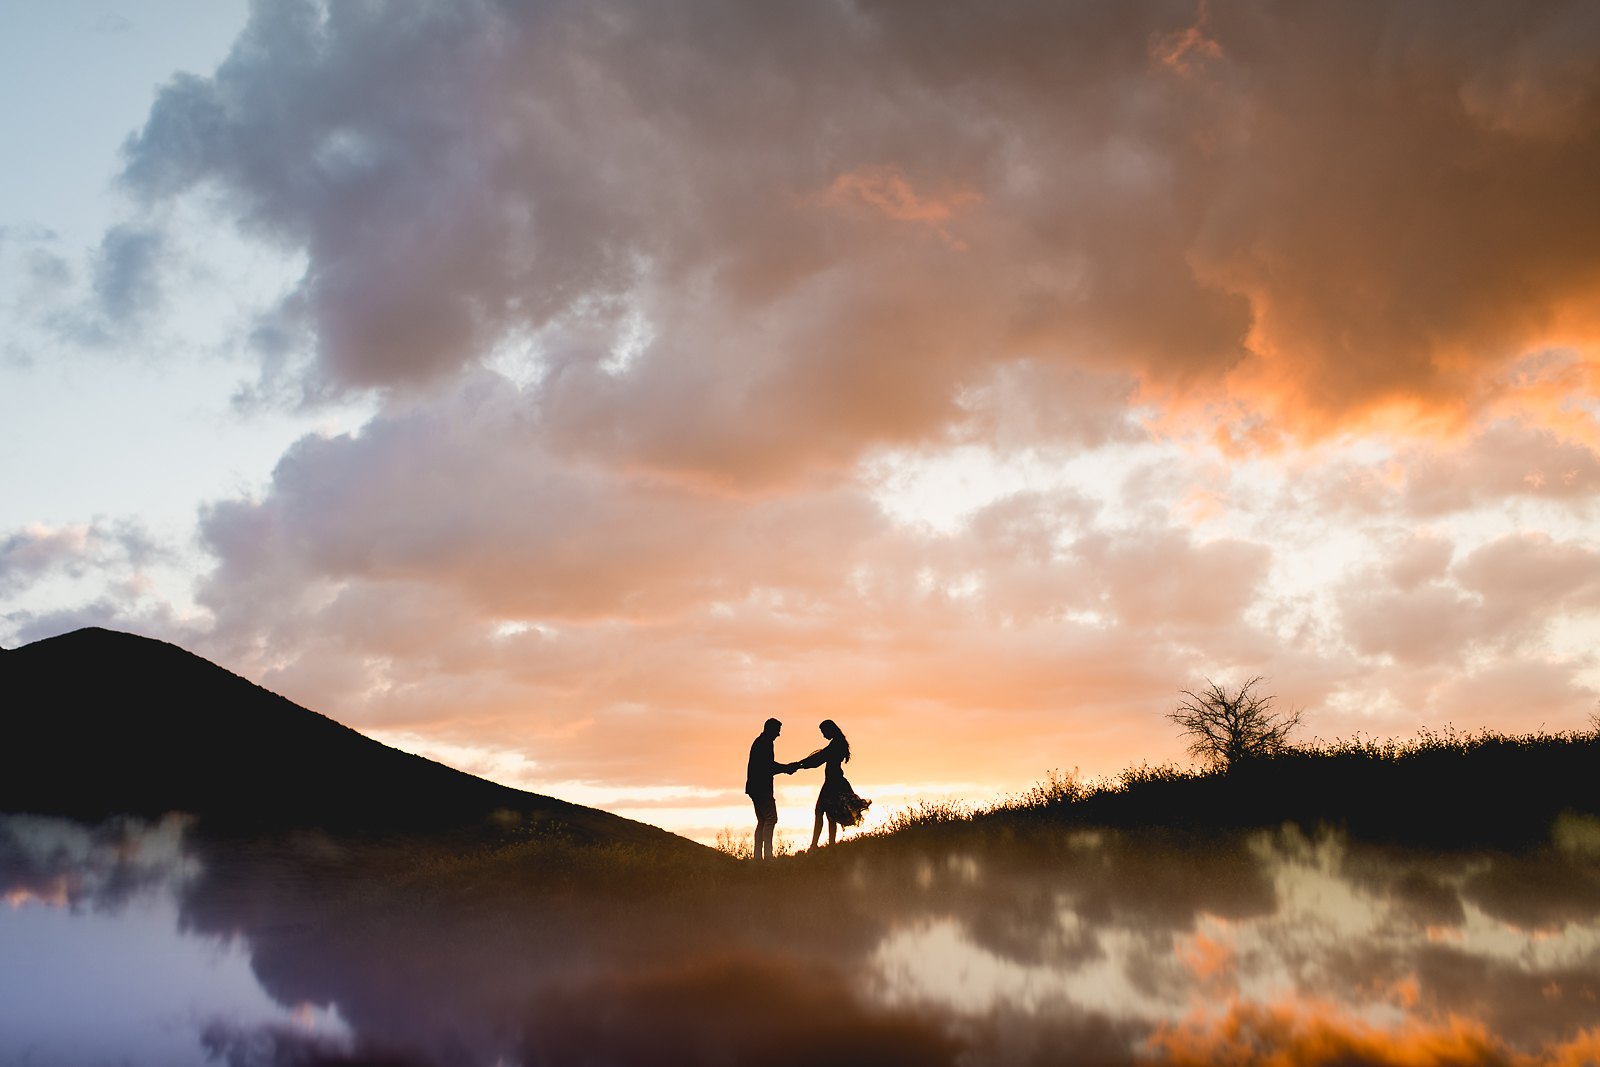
{"x": 771, "y": 728}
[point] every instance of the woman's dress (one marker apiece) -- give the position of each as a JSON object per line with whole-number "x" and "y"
{"x": 837, "y": 799}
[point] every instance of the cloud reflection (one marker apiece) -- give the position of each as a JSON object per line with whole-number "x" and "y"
{"x": 96, "y": 965}
{"x": 1039, "y": 946}
{"x": 65, "y": 864}
{"x": 1373, "y": 955}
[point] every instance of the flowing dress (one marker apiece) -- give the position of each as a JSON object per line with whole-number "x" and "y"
{"x": 837, "y": 800}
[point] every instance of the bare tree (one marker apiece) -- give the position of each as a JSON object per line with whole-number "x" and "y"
{"x": 1228, "y": 729}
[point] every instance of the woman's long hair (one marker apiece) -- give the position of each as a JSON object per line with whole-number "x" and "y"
{"x": 830, "y": 730}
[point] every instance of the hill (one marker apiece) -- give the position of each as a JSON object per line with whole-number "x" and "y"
{"x": 1443, "y": 790}
{"x": 99, "y": 723}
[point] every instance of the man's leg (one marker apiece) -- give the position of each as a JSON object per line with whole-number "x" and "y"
{"x": 766, "y": 822}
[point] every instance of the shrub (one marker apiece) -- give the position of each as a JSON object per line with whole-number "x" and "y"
{"x": 1228, "y": 729}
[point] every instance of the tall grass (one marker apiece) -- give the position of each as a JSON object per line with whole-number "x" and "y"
{"x": 923, "y": 814}
{"x": 1443, "y": 787}
{"x": 741, "y": 846}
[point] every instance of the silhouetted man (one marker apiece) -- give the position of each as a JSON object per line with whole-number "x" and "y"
{"x": 758, "y": 785}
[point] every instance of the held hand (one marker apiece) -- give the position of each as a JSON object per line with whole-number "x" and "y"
{"x": 790, "y": 768}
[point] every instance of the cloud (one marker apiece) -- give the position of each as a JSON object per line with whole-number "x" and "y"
{"x": 125, "y": 286}
{"x": 1420, "y": 558}
{"x": 286, "y": 1045}
{"x": 1164, "y": 579}
{"x": 56, "y": 578}
{"x": 1364, "y": 187}
{"x": 1319, "y": 1035}
{"x": 647, "y": 299}
{"x": 886, "y": 190}
{"x": 1533, "y": 573}
{"x": 28, "y": 554}
{"x": 128, "y": 606}
{"x": 1542, "y": 86}
{"x": 1505, "y": 461}
{"x": 91, "y": 868}
{"x": 48, "y": 274}
{"x": 1329, "y": 212}
{"x": 450, "y": 570}
{"x": 1421, "y": 626}
{"x": 38, "y": 551}
{"x": 461, "y": 493}
{"x": 125, "y": 290}
{"x": 1502, "y": 595}
{"x": 442, "y": 568}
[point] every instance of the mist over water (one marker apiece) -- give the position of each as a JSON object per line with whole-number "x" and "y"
{"x": 147, "y": 944}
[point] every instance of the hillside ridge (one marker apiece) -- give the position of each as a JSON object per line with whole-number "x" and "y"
{"x": 99, "y": 722}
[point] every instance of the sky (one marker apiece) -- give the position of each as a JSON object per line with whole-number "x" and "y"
{"x": 560, "y": 389}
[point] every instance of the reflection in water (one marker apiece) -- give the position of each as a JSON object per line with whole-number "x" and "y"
{"x": 1044, "y": 948}
{"x": 95, "y": 967}
{"x": 1368, "y": 943}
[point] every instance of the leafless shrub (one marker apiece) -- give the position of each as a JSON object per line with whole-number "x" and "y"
{"x": 1227, "y": 729}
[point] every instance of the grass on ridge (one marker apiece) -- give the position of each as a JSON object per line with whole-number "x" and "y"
{"x": 1445, "y": 787}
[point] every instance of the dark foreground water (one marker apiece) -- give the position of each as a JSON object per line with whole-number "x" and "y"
{"x": 134, "y": 943}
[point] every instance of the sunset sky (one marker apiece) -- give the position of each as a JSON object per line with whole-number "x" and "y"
{"x": 559, "y": 389}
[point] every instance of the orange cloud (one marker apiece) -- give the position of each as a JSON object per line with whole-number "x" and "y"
{"x": 886, "y": 189}
{"x": 1186, "y": 50}
{"x": 54, "y": 896}
{"x": 1209, "y": 959}
{"x": 1310, "y": 1034}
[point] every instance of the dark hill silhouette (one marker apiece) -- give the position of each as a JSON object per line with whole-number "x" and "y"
{"x": 98, "y": 723}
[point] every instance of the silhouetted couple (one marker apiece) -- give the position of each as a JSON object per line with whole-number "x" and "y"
{"x": 836, "y": 801}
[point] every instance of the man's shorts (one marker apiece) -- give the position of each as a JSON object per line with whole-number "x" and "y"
{"x": 766, "y": 808}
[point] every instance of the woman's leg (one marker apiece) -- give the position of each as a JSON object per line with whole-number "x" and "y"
{"x": 816, "y": 827}
{"x": 833, "y": 830}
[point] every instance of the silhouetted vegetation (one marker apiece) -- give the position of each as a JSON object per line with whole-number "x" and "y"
{"x": 1227, "y": 729}
{"x": 1444, "y": 788}
{"x": 102, "y": 724}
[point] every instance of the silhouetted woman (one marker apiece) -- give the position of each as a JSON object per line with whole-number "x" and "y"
{"x": 836, "y": 802}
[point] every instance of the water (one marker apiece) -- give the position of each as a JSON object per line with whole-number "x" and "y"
{"x": 95, "y": 963}
{"x": 137, "y": 943}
